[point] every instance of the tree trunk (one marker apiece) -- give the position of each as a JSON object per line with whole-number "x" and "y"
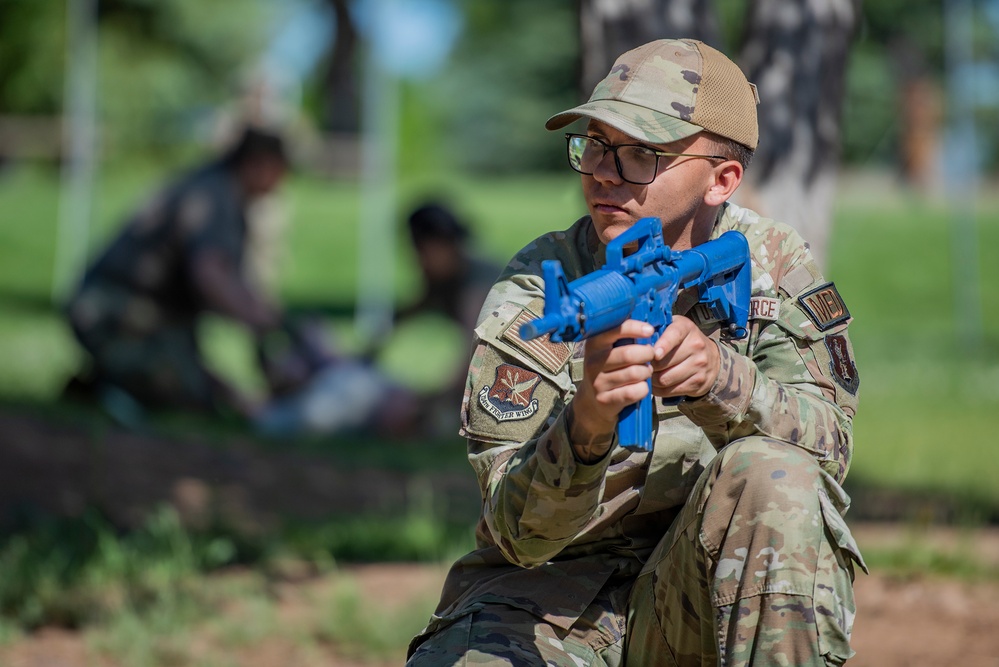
{"x": 796, "y": 51}
{"x": 341, "y": 111}
{"x": 608, "y": 28}
{"x": 921, "y": 118}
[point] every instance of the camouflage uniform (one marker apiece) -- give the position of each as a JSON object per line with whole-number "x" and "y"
{"x": 725, "y": 545}
{"x": 136, "y": 309}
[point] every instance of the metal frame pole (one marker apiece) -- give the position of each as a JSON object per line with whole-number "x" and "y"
{"x": 80, "y": 143}
{"x": 963, "y": 173}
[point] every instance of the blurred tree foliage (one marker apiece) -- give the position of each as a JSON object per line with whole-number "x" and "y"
{"x": 897, "y": 38}
{"x": 520, "y": 59}
{"x": 514, "y": 66}
{"x": 175, "y": 61}
{"x": 167, "y": 66}
{"x": 901, "y": 42}
{"x": 161, "y": 62}
{"x": 32, "y": 56}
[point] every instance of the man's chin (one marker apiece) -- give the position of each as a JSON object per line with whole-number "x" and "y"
{"x": 607, "y": 231}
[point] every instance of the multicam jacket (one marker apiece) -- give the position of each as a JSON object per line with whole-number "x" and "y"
{"x": 557, "y": 535}
{"x": 142, "y": 281}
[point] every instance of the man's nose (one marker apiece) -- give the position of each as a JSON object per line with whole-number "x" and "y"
{"x": 606, "y": 169}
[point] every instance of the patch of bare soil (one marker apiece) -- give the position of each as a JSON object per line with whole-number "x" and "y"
{"x": 925, "y": 621}
{"x": 922, "y": 619}
{"x": 61, "y": 468}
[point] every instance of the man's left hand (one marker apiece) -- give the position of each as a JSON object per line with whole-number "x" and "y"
{"x": 686, "y": 361}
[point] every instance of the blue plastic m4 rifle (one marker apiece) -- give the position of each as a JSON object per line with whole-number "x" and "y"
{"x": 643, "y": 286}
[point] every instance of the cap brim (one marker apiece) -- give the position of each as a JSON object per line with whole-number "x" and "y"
{"x": 639, "y": 122}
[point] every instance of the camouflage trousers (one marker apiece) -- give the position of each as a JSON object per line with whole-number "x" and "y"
{"x": 135, "y": 346}
{"x": 756, "y": 570}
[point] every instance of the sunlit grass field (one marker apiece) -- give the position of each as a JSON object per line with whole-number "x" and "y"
{"x": 930, "y": 388}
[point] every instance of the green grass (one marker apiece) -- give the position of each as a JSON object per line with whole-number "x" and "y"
{"x": 315, "y": 261}
{"x": 928, "y": 398}
{"x": 163, "y": 594}
{"x": 918, "y": 547}
{"x": 364, "y": 632}
{"x": 73, "y": 571}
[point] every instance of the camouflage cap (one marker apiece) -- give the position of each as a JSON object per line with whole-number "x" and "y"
{"x": 670, "y": 89}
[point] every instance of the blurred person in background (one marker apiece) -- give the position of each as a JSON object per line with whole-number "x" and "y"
{"x": 456, "y": 280}
{"x": 181, "y": 255}
{"x": 317, "y": 390}
{"x": 726, "y": 543}
{"x": 187, "y": 253}
{"x": 320, "y": 392}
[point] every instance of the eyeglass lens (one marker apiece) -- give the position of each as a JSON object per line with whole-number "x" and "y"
{"x": 636, "y": 164}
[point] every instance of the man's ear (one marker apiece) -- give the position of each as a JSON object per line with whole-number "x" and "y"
{"x": 726, "y": 177}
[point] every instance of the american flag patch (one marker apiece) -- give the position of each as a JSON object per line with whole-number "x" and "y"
{"x": 550, "y": 355}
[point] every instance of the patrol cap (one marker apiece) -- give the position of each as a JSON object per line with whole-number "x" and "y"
{"x": 670, "y": 89}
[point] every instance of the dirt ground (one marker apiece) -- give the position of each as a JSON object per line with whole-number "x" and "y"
{"x": 902, "y": 621}
{"x": 921, "y": 620}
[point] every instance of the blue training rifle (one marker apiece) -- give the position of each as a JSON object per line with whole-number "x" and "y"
{"x": 643, "y": 286}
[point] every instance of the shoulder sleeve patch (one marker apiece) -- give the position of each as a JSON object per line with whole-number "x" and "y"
{"x": 841, "y": 363}
{"x": 550, "y": 355}
{"x": 798, "y": 279}
{"x": 824, "y": 306}
{"x": 510, "y": 396}
{"x": 506, "y": 400}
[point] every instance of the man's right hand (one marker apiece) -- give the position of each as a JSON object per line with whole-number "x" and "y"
{"x": 223, "y": 289}
{"x": 613, "y": 378}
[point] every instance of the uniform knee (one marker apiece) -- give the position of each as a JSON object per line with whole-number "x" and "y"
{"x": 768, "y": 471}
{"x": 764, "y": 487}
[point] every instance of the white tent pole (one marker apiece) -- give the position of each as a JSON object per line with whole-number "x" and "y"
{"x": 79, "y": 121}
{"x": 376, "y": 227}
{"x": 963, "y": 173}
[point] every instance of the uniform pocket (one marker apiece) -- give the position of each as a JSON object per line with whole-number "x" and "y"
{"x": 835, "y": 608}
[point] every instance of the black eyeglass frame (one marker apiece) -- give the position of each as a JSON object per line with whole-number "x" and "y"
{"x": 617, "y": 161}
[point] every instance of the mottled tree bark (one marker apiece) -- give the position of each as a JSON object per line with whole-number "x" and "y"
{"x": 795, "y": 51}
{"x": 608, "y": 28}
{"x": 341, "y": 102}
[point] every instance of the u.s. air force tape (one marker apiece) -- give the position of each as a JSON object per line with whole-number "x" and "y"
{"x": 760, "y": 308}
{"x": 824, "y": 306}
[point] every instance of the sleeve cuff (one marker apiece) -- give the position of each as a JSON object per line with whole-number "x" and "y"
{"x": 557, "y": 461}
{"x": 729, "y": 397}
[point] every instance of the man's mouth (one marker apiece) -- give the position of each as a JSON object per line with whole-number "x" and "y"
{"x": 607, "y": 207}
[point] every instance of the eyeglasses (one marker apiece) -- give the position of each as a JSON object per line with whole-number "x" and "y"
{"x": 635, "y": 164}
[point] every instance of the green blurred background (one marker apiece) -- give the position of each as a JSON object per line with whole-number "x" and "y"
{"x": 170, "y": 77}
